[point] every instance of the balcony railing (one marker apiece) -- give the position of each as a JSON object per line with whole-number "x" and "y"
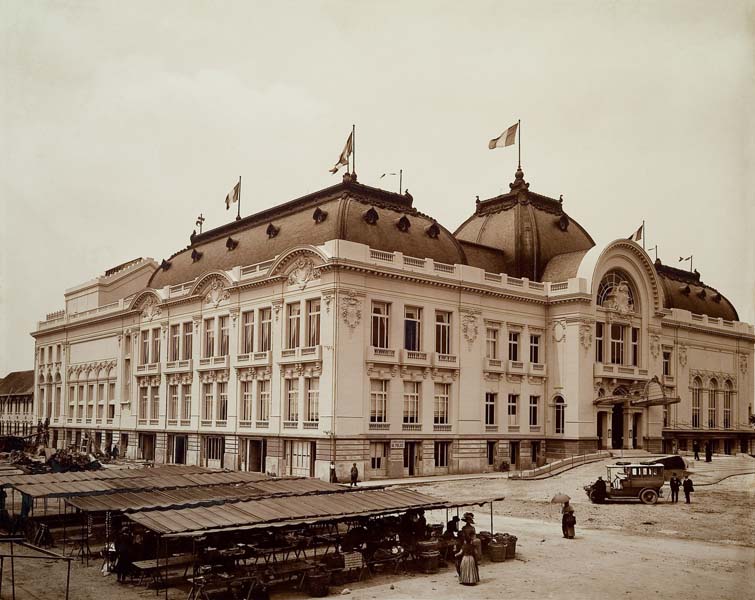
{"x": 301, "y": 354}
{"x": 448, "y": 361}
{"x": 387, "y": 355}
{"x": 290, "y": 424}
{"x": 495, "y": 365}
{"x": 213, "y": 362}
{"x": 414, "y": 357}
{"x": 441, "y": 426}
{"x": 537, "y": 369}
{"x": 311, "y": 424}
{"x": 411, "y": 426}
{"x": 263, "y": 424}
{"x": 175, "y": 366}
{"x": 254, "y": 358}
{"x": 379, "y": 426}
{"x": 491, "y": 428}
{"x": 516, "y": 366}
{"x": 245, "y": 424}
{"x": 148, "y": 369}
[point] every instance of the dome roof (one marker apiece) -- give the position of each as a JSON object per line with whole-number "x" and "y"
{"x": 348, "y": 211}
{"x": 684, "y": 290}
{"x": 531, "y": 230}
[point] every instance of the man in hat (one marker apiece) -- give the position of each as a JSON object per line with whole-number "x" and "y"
{"x": 599, "y": 487}
{"x": 688, "y": 488}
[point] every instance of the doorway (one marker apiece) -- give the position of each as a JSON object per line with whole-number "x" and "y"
{"x": 617, "y": 426}
{"x": 514, "y": 454}
{"x": 411, "y": 458}
{"x": 300, "y": 457}
{"x": 147, "y": 446}
{"x": 177, "y": 449}
{"x": 535, "y": 454}
{"x": 636, "y": 426}
{"x": 253, "y": 455}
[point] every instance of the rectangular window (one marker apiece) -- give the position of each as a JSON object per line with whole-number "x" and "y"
{"x": 265, "y": 335}
{"x": 224, "y": 335}
{"x": 175, "y": 343}
{"x": 90, "y": 401}
{"x": 247, "y": 332}
{"x": 58, "y": 352}
{"x": 534, "y": 348}
{"x": 412, "y": 390}
{"x": 71, "y": 401}
{"x": 144, "y": 355}
{"x": 81, "y": 402}
{"x": 41, "y": 355}
{"x": 534, "y": 410}
{"x": 617, "y": 344}
{"x": 696, "y": 396}
{"x": 378, "y": 400}
{"x": 442, "y": 332}
{"x": 155, "y": 358}
{"x": 490, "y": 402}
{"x": 513, "y": 411}
{"x": 665, "y": 415}
{"x": 441, "y": 453}
{"x": 666, "y": 362}
{"x": 154, "y": 403}
{"x": 712, "y": 408}
{"x": 263, "y": 399}
{"x": 727, "y": 408}
{"x": 377, "y": 455}
{"x": 293, "y": 324}
{"x": 635, "y": 347}
{"x": 207, "y": 401}
{"x": 246, "y": 400}
{"x": 101, "y": 401}
{"x": 491, "y": 452}
{"x": 143, "y": 403}
{"x": 413, "y": 328}
{"x": 312, "y": 410}
{"x": 222, "y": 401}
{"x": 491, "y": 343}
{"x": 313, "y": 322}
{"x": 173, "y": 402}
{"x": 186, "y": 401}
{"x": 599, "y": 342}
{"x": 214, "y": 447}
{"x": 292, "y": 399}
{"x": 187, "y": 335}
{"x": 441, "y": 403}
{"x": 209, "y": 338}
{"x": 379, "y": 331}
{"x": 514, "y": 345}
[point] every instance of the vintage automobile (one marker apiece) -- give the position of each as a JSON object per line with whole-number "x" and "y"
{"x": 673, "y": 464}
{"x": 629, "y": 481}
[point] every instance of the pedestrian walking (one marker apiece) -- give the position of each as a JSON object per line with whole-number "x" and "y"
{"x": 708, "y": 452}
{"x": 696, "y": 449}
{"x": 354, "y": 474}
{"x": 688, "y": 488}
{"x": 333, "y": 476}
{"x": 568, "y": 520}
{"x": 114, "y": 451}
{"x": 674, "y": 484}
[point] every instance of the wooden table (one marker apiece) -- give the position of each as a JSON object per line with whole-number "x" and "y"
{"x": 156, "y": 568}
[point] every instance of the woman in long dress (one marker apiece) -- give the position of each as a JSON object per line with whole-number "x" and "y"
{"x": 568, "y": 520}
{"x": 470, "y": 553}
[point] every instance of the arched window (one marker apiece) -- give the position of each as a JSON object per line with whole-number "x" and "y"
{"x": 712, "y": 404}
{"x": 560, "y": 415}
{"x": 696, "y": 393}
{"x": 616, "y": 293}
{"x": 728, "y": 401}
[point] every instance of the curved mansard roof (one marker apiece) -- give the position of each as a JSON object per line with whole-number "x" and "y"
{"x": 684, "y": 290}
{"x": 537, "y": 238}
{"x": 347, "y": 211}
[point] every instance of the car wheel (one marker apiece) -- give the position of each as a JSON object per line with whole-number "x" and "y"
{"x": 648, "y": 496}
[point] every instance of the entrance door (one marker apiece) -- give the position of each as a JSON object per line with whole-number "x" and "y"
{"x": 601, "y": 427}
{"x": 147, "y": 446}
{"x": 124, "y": 444}
{"x": 514, "y": 454}
{"x": 411, "y": 456}
{"x": 636, "y": 424}
{"x": 535, "y": 453}
{"x": 253, "y": 455}
{"x": 617, "y": 426}
{"x": 300, "y": 457}
{"x": 179, "y": 452}
{"x": 213, "y": 449}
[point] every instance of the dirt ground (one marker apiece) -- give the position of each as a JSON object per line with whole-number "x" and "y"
{"x": 697, "y": 551}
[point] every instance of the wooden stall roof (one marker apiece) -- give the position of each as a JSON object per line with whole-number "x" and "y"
{"x": 204, "y": 496}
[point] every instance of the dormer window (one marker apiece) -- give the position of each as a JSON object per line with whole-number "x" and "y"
{"x": 231, "y": 244}
{"x": 195, "y": 255}
{"x": 272, "y": 231}
{"x": 371, "y": 216}
{"x": 433, "y": 231}
{"x": 403, "y": 224}
{"x": 319, "y": 215}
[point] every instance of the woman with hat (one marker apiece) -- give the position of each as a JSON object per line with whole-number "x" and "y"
{"x": 568, "y": 520}
{"x": 469, "y": 557}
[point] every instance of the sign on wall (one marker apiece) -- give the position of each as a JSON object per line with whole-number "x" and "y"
{"x": 397, "y": 444}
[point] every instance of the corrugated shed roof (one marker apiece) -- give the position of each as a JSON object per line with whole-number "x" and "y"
{"x": 17, "y": 383}
{"x": 184, "y": 497}
{"x": 287, "y": 511}
{"x": 104, "y": 486}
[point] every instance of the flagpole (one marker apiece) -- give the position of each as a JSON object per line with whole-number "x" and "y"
{"x": 238, "y": 213}
{"x": 519, "y": 143}
{"x": 353, "y": 149}
{"x": 400, "y": 179}
{"x": 644, "y": 234}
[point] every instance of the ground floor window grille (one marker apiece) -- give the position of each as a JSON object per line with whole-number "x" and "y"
{"x": 377, "y": 455}
{"x": 299, "y": 456}
{"x": 213, "y": 448}
{"x": 441, "y": 453}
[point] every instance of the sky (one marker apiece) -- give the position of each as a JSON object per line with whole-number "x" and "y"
{"x": 120, "y": 122}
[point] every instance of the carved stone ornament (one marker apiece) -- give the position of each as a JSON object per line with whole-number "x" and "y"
{"x": 370, "y": 216}
{"x": 655, "y": 345}
{"x": 743, "y": 363}
{"x": 619, "y": 299}
{"x": 351, "y": 309}
{"x": 559, "y": 331}
{"x": 683, "y": 355}
{"x": 585, "y": 335}
{"x": 469, "y": 328}
{"x": 216, "y": 293}
{"x": 151, "y": 309}
{"x": 327, "y": 298}
{"x": 302, "y": 273}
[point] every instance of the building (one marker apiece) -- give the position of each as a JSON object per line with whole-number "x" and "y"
{"x": 346, "y": 325}
{"x": 17, "y": 404}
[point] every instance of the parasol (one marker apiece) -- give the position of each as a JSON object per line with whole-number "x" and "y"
{"x": 560, "y": 499}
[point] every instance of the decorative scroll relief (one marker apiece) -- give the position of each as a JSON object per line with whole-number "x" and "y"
{"x": 216, "y": 293}
{"x": 303, "y": 272}
{"x": 743, "y": 363}
{"x": 151, "y": 309}
{"x": 655, "y": 345}
{"x": 585, "y": 335}
{"x": 469, "y": 328}
{"x": 351, "y": 309}
{"x": 179, "y": 378}
{"x": 683, "y": 355}
{"x": 559, "y": 331}
{"x": 252, "y": 373}
{"x": 212, "y": 376}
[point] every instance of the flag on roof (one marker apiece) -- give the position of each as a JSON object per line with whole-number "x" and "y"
{"x": 637, "y": 235}
{"x": 233, "y": 195}
{"x": 343, "y": 160}
{"x": 507, "y": 138}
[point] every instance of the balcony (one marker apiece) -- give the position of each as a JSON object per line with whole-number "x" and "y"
{"x": 263, "y": 424}
{"x": 178, "y": 366}
{"x": 148, "y": 369}
{"x": 416, "y": 358}
{"x": 441, "y": 426}
{"x": 537, "y": 369}
{"x": 668, "y": 380}
{"x": 494, "y": 365}
{"x": 445, "y": 361}
{"x": 516, "y": 367}
{"x": 411, "y": 426}
{"x": 381, "y": 355}
{"x": 379, "y": 426}
{"x": 185, "y": 422}
{"x": 213, "y": 362}
{"x": 245, "y": 424}
{"x": 290, "y": 424}
{"x": 254, "y": 359}
{"x": 301, "y": 354}
{"x": 620, "y": 371}
{"x": 491, "y": 428}
{"x": 311, "y": 424}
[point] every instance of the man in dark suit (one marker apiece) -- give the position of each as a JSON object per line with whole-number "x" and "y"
{"x": 696, "y": 449}
{"x": 674, "y": 484}
{"x": 688, "y": 488}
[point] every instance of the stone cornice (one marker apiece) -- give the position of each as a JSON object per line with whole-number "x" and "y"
{"x": 667, "y": 322}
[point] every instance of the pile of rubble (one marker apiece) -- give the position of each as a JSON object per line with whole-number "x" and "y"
{"x": 48, "y": 460}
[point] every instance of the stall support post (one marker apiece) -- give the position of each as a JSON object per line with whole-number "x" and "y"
{"x": 166, "y": 569}
{"x": 2, "y": 564}
{"x": 68, "y": 577}
{"x": 491, "y": 518}
{"x": 12, "y": 572}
